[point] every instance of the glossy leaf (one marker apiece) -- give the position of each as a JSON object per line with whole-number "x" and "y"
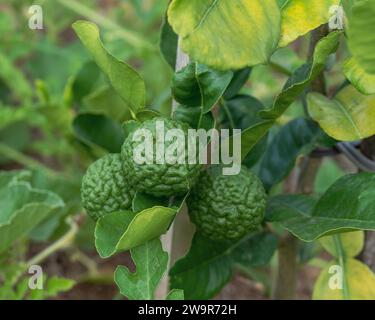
{"x": 357, "y": 278}
{"x": 100, "y": 131}
{"x": 361, "y": 38}
{"x": 301, "y": 16}
{"x": 241, "y": 112}
{"x": 124, "y": 79}
{"x": 245, "y": 33}
{"x": 197, "y": 85}
{"x": 194, "y": 118}
{"x": 347, "y": 205}
{"x": 303, "y": 76}
{"x": 351, "y": 244}
{"x": 23, "y": 208}
{"x": 240, "y": 77}
{"x": 297, "y": 137}
{"x": 363, "y": 81}
{"x": 121, "y": 231}
{"x": 208, "y": 265}
{"x": 348, "y": 117}
{"x": 151, "y": 263}
{"x": 168, "y": 44}
{"x": 252, "y": 135}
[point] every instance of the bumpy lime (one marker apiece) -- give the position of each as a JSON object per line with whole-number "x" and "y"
{"x": 105, "y": 187}
{"x": 155, "y": 177}
{"x": 227, "y": 207}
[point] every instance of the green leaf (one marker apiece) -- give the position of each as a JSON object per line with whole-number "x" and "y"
{"x": 297, "y": 137}
{"x": 347, "y": 205}
{"x": 151, "y": 263}
{"x": 363, "y": 81}
{"x": 351, "y": 244}
{"x": 194, "y": 118}
{"x": 124, "y": 79}
{"x": 23, "y": 208}
{"x": 121, "y": 231}
{"x": 283, "y": 208}
{"x": 357, "y": 278}
{"x": 240, "y": 77}
{"x": 100, "y": 131}
{"x": 227, "y": 34}
{"x": 361, "y": 37}
{"x": 85, "y": 80}
{"x": 13, "y": 177}
{"x": 252, "y": 135}
{"x": 241, "y": 112}
{"x": 348, "y": 117}
{"x": 303, "y": 76}
{"x": 208, "y": 266}
{"x": 168, "y": 43}
{"x": 142, "y": 201}
{"x": 298, "y": 17}
{"x": 175, "y": 294}
{"x": 107, "y": 102}
{"x": 51, "y": 288}
{"x": 197, "y": 85}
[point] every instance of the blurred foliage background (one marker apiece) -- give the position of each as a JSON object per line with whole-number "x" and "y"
{"x": 57, "y": 110}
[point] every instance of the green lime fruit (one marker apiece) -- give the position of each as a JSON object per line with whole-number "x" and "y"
{"x": 105, "y": 187}
{"x": 157, "y": 176}
{"x": 227, "y": 206}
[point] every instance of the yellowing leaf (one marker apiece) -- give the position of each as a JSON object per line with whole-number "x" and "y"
{"x": 301, "y": 16}
{"x": 361, "y": 36}
{"x": 349, "y": 117}
{"x": 363, "y": 81}
{"x": 351, "y": 243}
{"x": 354, "y": 281}
{"x": 227, "y": 34}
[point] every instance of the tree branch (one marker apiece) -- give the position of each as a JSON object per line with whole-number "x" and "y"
{"x": 300, "y": 181}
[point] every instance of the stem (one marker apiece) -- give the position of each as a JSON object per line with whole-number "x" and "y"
{"x": 167, "y": 239}
{"x": 341, "y": 259}
{"x": 65, "y": 241}
{"x": 301, "y": 181}
{"x": 130, "y": 36}
{"x": 25, "y": 160}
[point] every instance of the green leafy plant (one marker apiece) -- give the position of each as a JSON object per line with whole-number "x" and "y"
{"x": 292, "y": 80}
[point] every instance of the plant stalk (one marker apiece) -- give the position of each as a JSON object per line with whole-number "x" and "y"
{"x": 167, "y": 240}
{"x": 301, "y": 180}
